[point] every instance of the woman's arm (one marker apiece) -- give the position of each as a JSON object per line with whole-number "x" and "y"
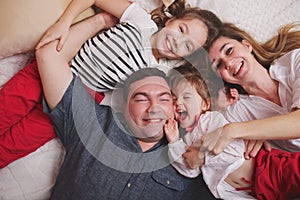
{"x": 282, "y": 127}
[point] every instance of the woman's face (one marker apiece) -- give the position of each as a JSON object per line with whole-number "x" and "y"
{"x": 179, "y": 38}
{"x": 232, "y": 60}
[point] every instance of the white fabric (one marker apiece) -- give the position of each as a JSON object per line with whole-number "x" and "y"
{"x": 260, "y": 18}
{"x": 11, "y": 65}
{"x": 32, "y": 177}
{"x": 216, "y": 168}
{"x": 286, "y": 70}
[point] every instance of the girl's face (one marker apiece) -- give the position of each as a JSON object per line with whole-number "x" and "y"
{"x": 188, "y": 104}
{"x": 232, "y": 60}
{"x": 179, "y": 38}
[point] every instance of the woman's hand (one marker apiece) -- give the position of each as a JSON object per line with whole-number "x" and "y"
{"x": 252, "y": 147}
{"x": 193, "y": 158}
{"x": 216, "y": 141}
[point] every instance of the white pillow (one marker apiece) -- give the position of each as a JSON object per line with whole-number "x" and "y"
{"x": 33, "y": 176}
{"x": 23, "y": 22}
{"x": 261, "y": 19}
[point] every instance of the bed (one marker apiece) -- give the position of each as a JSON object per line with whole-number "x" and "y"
{"x": 24, "y": 21}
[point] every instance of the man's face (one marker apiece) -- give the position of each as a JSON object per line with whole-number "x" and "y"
{"x": 149, "y": 105}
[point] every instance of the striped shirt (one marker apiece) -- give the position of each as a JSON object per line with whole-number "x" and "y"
{"x": 111, "y": 56}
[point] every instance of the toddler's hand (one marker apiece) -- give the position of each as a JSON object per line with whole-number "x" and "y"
{"x": 171, "y": 130}
{"x": 193, "y": 158}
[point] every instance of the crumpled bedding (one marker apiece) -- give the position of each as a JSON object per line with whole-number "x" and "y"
{"x": 33, "y": 176}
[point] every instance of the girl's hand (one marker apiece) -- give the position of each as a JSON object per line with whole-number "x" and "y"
{"x": 58, "y": 31}
{"x": 171, "y": 130}
{"x": 193, "y": 158}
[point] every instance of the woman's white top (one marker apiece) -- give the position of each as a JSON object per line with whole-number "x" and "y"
{"x": 285, "y": 70}
{"x": 216, "y": 168}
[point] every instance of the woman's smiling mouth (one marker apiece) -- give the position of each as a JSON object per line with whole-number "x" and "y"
{"x": 237, "y": 69}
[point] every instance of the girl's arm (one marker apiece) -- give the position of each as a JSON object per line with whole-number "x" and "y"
{"x": 60, "y": 30}
{"x": 176, "y": 149}
{"x": 282, "y": 127}
{"x": 54, "y": 66}
{"x": 175, "y": 153}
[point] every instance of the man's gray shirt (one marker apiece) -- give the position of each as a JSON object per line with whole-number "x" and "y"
{"x": 104, "y": 161}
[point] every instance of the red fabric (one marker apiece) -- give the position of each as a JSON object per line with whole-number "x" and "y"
{"x": 277, "y": 175}
{"x": 24, "y": 127}
{"x": 96, "y": 95}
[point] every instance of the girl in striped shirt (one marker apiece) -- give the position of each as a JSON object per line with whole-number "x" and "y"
{"x": 139, "y": 40}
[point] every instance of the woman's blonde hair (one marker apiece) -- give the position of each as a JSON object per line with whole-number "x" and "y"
{"x": 286, "y": 40}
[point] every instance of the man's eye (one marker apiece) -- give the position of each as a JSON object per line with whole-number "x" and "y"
{"x": 181, "y": 29}
{"x": 140, "y": 100}
{"x": 165, "y": 99}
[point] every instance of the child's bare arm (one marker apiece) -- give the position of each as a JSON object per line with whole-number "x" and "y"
{"x": 54, "y": 66}
{"x": 60, "y": 30}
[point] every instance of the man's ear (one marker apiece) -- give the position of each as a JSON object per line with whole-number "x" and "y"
{"x": 247, "y": 44}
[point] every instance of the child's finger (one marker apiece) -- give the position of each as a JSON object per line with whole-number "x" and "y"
{"x": 61, "y": 43}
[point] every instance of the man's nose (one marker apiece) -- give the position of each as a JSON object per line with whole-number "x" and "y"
{"x": 154, "y": 107}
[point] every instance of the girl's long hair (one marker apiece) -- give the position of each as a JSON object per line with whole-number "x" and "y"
{"x": 179, "y": 9}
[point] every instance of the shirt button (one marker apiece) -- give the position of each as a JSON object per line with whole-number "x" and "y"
{"x": 128, "y": 185}
{"x": 168, "y": 182}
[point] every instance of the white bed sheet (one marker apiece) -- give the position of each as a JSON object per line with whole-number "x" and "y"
{"x": 33, "y": 176}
